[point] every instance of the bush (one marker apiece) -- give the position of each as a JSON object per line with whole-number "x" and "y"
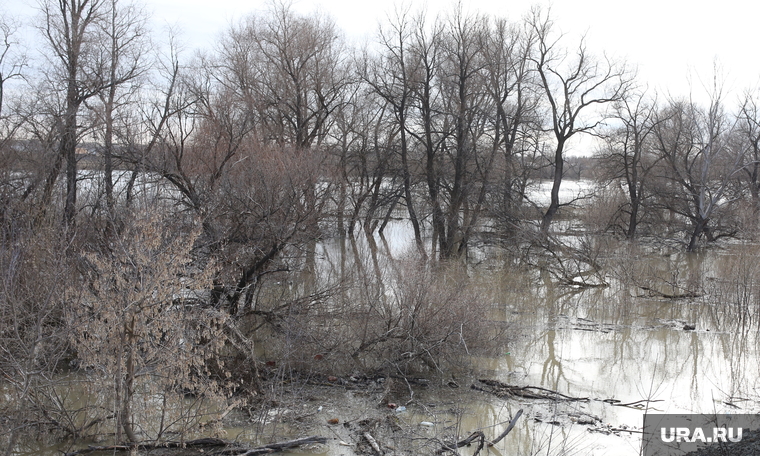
{"x": 409, "y": 316}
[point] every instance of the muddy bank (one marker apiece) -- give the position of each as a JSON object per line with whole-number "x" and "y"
{"x": 407, "y": 416}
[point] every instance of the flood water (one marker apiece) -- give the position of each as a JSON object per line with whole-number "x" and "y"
{"x": 630, "y": 342}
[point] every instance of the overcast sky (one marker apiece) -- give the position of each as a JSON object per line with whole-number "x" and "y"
{"x": 669, "y": 40}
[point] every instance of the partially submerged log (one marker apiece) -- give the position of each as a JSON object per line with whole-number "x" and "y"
{"x": 658, "y": 294}
{"x": 273, "y": 447}
{"x": 503, "y": 390}
{"x": 233, "y": 449}
{"x": 197, "y": 443}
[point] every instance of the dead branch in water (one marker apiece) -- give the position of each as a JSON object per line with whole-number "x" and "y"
{"x": 477, "y": 435}
{"x": 508, "y": 429}
{"x": 658, "y": 294}
{"x": 233, "y": 450}
{"x": 502, "y": 390}
{"x": 638, "y": 405}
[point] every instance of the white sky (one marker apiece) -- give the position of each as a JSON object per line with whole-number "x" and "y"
{"x": 667, "y": 39}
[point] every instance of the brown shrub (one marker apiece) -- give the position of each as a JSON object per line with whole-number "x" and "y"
{"x": 409, "y": 316}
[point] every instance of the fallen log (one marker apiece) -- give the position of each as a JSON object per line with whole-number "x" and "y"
{"x": 273, "y": 447}
{"x": 658, "y": 294}
{"x": 502, "y": 390}
{"x": 233, "y": 450}
{"x": 204, "y": 442}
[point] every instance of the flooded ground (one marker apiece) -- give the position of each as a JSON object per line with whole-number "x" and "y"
{"x": 670, "y": 333}
{"x": 588, "y": 344}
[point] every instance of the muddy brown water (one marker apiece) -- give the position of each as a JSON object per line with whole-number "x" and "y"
{"x": 614, "y": 345}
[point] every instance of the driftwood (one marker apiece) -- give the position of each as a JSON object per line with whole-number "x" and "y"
{"x": 480, "y": 436}
{"x": 205, "y": 442}
{"x": 638, "y": 405}
{"x": 503, "y": 390}
{"x": 477, "y": 435}
{"x": 373, "y": 443}
{"x": 656, "y": 293}
{"x": 233, "y": 450}
{"x": 273, "y": 447}
{"x": 508, "y": 429}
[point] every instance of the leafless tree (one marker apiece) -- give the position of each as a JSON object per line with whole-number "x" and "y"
{"x": 12, "y": 59}
{"x": 514, "y": 115}
{"x": 462, "y": 79}
{"x": 69, "y": 28}
{"x": 392, "y": 75}
{"x": 123, "y": 31}
{"x": 749, "y": 126}
{"x": 628, "y": 154}
{"x": 364, "y": 139}
{"x": 702, "y": 157}
{"x": 576, "y": 86}
{"x": 292, "y": 69}
{"x": 82, "y": 67}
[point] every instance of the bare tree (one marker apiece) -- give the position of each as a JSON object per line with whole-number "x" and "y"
{"x": 123, "y": 30}
{"x": 365, "y": 139}
{"x": 291, "y": 68}
{"x": 510, "y": 86}
{"x": 12, "y": 61}
{"x": 628, "y": 153}
{"x": 392, "y": 76}
{"x": 575, "y": 88}
{"x": 69, "y": 27}
{"x": 749, "y": 126}
{"x": 702, "y": 157}
{"x": 467, "y": 107}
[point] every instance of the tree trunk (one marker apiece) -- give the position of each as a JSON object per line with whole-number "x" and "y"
{"x": 68, "y": 151}
{"x": 699, "y": 228}
{"x": 408, "y": 192}
{"x": 108, "y": 148}
{"x": 633, "y": 220}
{"x": 559, "y": 164}
{"x": 129, "y": 380}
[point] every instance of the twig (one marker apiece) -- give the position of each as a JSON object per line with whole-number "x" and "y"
{"x": 636, "y": 404}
